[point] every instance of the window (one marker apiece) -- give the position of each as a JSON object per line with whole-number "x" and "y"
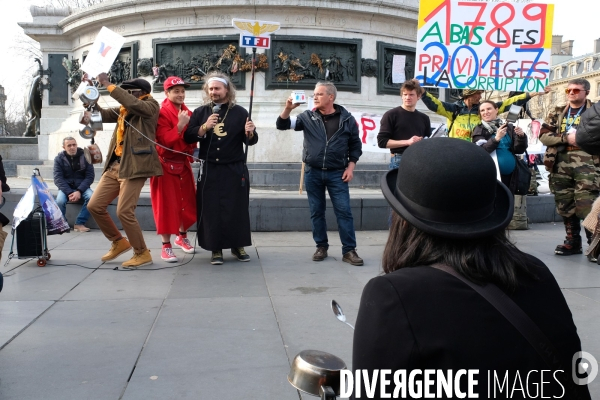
{"x": 557, "y": 74}
{"x": 588, "y": 66}
{"x": 573, "y": 70}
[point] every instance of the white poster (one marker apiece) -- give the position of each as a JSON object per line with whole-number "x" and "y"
{"x": 398, "y": 64}
{"x": 103, "y": 53}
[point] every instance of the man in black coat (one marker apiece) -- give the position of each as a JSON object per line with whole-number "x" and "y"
{"x": 332, "y": 147}
{"x": 73, "y": 175}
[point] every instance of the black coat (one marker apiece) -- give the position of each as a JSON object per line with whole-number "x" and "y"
{"x": 588, "y": 131}
{"x": 424, "y": 318}
{"x": 5, "y": 187}
{"x": 345, "y": 145}
{"x": 223, "y": 217}
{"x": 68, "y": 179}
{"x": 519, "y": 145}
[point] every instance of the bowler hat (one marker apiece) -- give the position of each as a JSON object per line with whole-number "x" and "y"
{"x": 137, "y": 83}
{"x": 447, "y": 187}
{"x": 470, "y": 92}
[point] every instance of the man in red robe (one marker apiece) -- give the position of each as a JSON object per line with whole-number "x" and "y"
{"x": 174, "y": 193}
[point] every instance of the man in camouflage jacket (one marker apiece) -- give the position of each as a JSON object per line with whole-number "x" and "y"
{"x": 574, "y": 174}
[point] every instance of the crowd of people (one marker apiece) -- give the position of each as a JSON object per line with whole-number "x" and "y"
{"x": 444, "y": 237}
{"x": 220, "y": 129}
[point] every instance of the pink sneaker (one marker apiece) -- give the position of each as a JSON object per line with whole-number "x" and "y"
{"x": 184, "y": 244}
{"x": 167, "y": 254}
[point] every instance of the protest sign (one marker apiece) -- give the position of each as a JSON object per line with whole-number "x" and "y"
{"x": 484, "y": 45}
{"x": 103, "y": 53}
{"x": 368, "y": 128}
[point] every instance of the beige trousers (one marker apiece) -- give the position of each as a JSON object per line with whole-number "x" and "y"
{"x": 128, "y": 191}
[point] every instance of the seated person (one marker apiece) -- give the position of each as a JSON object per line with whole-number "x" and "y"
{"x": 73, "y": 176}
{"x": 447, "y": 248}
{"x": 493, "y": 134}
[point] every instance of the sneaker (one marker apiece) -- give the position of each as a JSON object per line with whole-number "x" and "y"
{"x": 241, "y": 254}
{"x": 139, "y": 260}
{"x": 81, "y": 228}
{"x": 167, "y": 254}
{"x": 118, "y": 247}
{"x": 320, "y": 254}
{"x": 217, "y": 258}
{"x": 592, "y": 258}
{"x": 352, "y": 258}
{"x": 184, "y": 244}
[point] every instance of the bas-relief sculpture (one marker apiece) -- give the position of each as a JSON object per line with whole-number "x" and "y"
{"x": 193, "y": 58}
{"x": 301, "y": 61}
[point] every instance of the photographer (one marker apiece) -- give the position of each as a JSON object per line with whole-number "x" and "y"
{"x": 493, "y": 134}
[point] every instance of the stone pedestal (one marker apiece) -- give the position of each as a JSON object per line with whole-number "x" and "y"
{"x": 143, "y": 21}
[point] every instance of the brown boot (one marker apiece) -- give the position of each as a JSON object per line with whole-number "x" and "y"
{"x": 320, "y": 254}
{"x": 139, "y": 260}
{"x": 118, "y": 247}
{"x": 572, "y": 243}
{"x": 352, "y": 258}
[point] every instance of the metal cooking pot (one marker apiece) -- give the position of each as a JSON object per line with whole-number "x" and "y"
{"x": 86, "y": 132}
{"x": 96, "y": 121}
{"x": 90, "y": 95}
{"x": 313, "y": 369}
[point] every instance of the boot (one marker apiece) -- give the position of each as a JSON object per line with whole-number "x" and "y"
{"x": 594, "y": 246}
{"x": 572, "y": 244}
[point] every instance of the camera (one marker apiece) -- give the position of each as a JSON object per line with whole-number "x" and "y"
{"x": 512, "y": 117}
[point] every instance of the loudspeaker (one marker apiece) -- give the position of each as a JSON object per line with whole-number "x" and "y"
{"x": 31, "y": 235}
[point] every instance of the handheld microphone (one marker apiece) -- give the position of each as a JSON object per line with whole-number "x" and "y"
{"x": 216, "y": 108}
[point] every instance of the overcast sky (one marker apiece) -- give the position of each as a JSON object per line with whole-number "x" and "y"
{"x": 571, "y": 19}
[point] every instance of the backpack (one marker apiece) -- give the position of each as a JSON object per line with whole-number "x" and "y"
{"x": 588, "y": 131}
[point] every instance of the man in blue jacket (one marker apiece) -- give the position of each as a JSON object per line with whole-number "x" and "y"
{"x": 332, "y": 147}
{"x": 73, "y": 176}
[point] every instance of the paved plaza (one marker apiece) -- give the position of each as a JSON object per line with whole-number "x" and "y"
{"x": 198, "y": 331}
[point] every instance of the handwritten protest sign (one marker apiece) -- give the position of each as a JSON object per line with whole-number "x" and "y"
{"x": 103, "y": 53}
{"x": 484, "y": 45}
{"x": 368, "y": 128}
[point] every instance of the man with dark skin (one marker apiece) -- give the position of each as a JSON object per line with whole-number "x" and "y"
{"x": 131, "y": 159}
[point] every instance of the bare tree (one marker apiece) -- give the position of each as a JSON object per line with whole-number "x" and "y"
{"x": 73, "y": 3}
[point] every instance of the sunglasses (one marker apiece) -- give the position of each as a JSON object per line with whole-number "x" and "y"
{"x": 574, "y": 91}
{"x": 134, "y": 92}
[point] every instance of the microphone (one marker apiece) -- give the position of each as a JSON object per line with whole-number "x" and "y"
{"x": 216, "y": 108}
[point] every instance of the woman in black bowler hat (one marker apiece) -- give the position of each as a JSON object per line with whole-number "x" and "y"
{"x": 447, "y": 249}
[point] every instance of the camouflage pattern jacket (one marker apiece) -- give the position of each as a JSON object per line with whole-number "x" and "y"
{"x": 556, "y": 141}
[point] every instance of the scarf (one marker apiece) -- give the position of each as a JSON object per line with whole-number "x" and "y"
{"x": 492, "y": 126}
{"x": 121, "y": 126}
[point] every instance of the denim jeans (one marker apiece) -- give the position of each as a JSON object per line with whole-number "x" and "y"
{"x": 394, "y": 163}
{"x": 317, "y": 181}
{"x": 84, "y": 214}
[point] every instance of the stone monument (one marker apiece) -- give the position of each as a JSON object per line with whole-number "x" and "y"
{"x": 347, "y": 42}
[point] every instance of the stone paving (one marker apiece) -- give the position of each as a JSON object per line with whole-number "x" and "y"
{"x": 79, "y": 329}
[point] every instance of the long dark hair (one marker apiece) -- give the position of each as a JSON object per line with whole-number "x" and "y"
{"x": 488, "y": 259}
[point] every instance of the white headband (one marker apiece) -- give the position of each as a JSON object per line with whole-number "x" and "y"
{"x": 216, "y": 78}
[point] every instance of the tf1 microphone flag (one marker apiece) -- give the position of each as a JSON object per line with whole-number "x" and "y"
{"x": 103, "y": 53}
{"x": 255, "y": 33}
